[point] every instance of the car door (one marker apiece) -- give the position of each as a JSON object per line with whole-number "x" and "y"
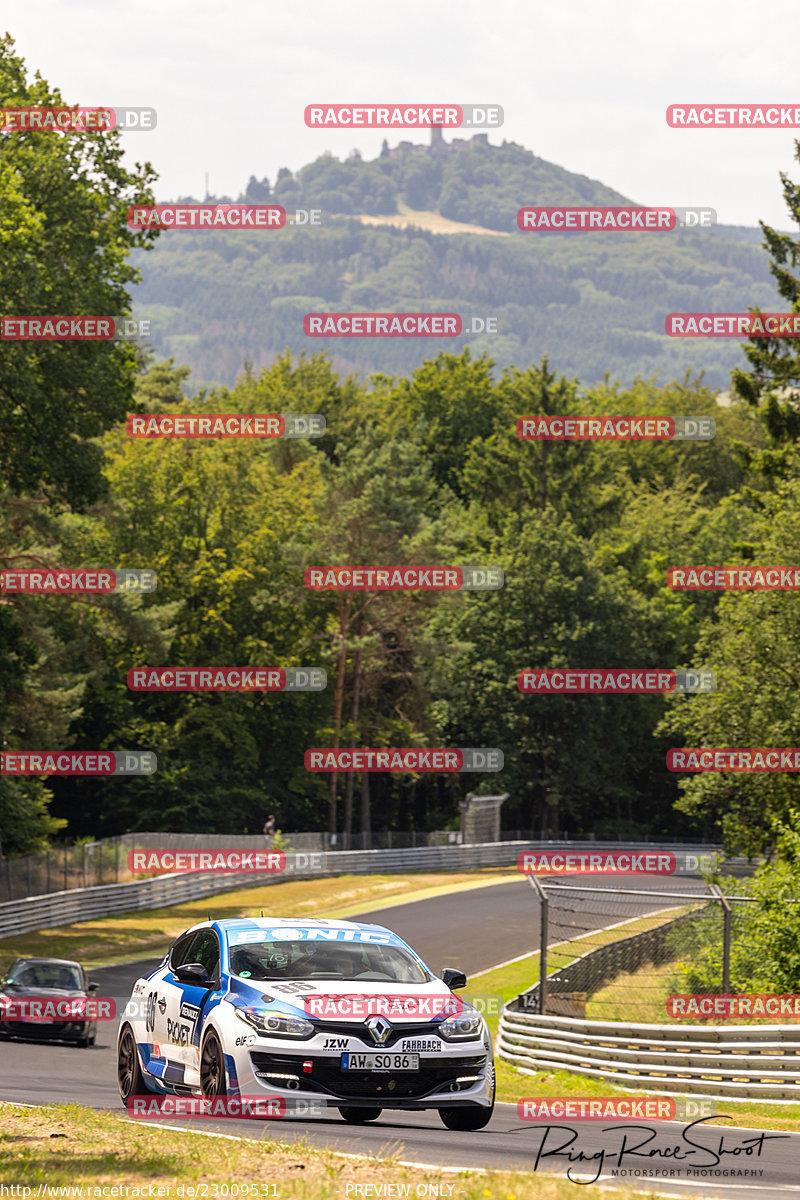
{"x": 185, "y": 1004}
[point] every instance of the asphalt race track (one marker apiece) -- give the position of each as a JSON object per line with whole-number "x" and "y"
{"x": 473, "y": 930}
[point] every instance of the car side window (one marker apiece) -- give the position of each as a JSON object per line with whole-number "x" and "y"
{"x": 205, "y": 950}
{"x": 180, "y": 951}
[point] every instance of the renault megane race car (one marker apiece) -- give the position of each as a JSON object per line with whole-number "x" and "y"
{"x": 335, "y": 1011}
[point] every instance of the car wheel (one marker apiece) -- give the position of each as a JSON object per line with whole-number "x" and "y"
{"x": 129, "y": 1071}
{"x": 83, "y": 1042}
{"x": 212, "y": 1068}
{"x": 467, "y": 1119}
{"x": 360, "y": 1116}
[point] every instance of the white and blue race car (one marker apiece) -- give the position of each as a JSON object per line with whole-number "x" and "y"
{"x": 338, "y": 1012}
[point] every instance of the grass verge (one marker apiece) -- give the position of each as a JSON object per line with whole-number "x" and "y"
{"x": 67, "y": 1145}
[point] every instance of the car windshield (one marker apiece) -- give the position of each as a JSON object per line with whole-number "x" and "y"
{"x": 325, "y": 960}
{"x": 46, "y": 975}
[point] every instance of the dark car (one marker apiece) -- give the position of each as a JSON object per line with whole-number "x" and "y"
{"x": 50, "y": 980}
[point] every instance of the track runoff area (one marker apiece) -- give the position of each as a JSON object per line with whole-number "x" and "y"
{"x": 475, "y": 929}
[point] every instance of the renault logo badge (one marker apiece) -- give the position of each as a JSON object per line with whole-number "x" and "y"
{"x": 379, "y": 1028}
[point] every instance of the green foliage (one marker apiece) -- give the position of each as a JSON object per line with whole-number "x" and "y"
{"x": 765, "y": 938}
{"x": 64, "y": 249}
{"x": 595, "y": 303}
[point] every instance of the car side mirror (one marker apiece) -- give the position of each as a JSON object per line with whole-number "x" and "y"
{"x": 92, "y": 987}
{"x": 193, "y": 973}
{"x": 454, "y": 978}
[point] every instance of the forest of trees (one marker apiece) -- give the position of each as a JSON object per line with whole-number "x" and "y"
{"x": 418, "y": 468}
{"x": 594, "y": 303}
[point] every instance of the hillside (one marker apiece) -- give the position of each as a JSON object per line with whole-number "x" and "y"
{"x": 595, "y": 302}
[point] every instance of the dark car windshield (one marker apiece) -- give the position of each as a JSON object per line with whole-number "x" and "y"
{"x": 325, "y": 960}
{"x": 46, "y": 975}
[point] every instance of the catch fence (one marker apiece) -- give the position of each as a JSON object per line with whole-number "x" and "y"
{"x": 680, "y": 940}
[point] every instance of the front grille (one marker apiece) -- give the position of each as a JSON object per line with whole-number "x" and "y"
{"x": 358, "y": 1029}
{"x": 327, "y": 1077}
{"x": 35, "y": 1029}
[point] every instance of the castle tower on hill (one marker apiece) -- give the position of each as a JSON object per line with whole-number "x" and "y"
{"x": 437, "y": 148}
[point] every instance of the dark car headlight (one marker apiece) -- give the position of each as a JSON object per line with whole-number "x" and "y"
{"x": 462, "y": 1028}
{"x": 271, "y": 1025}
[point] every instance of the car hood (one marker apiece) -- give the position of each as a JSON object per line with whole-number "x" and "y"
{"x": 14, "y": 989}
{"x": 330, "y": 999}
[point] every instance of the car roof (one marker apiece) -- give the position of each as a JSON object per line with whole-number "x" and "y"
{"x": 60, "y": 962}
{"x": 237, "y": 924}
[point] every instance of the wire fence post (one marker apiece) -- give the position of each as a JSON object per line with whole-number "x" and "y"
{"x": 726, "y": 941}
{"x": 543, "y": 924}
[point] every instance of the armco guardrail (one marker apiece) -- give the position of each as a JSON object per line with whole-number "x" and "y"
{"x": 753, "y": 1061}
{"x": 85, "y": 904}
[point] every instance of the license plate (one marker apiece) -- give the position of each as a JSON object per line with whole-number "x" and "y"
{"x": 380, "y": 1062}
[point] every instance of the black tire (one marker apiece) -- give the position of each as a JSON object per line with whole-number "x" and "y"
{"x": 466, "y": 1120}
{"x": 83, "y": 1042}
{"x": 359, "y": 1116}
{"x": 212, "y": 1068}
{"x": 129, "y": 1071}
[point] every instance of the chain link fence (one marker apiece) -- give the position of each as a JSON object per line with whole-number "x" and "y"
{"x": 652, "y": 943}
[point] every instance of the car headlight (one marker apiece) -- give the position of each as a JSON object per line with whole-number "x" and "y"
{"x": 274, "y": 1026}
{"x": 464, "y": 1027}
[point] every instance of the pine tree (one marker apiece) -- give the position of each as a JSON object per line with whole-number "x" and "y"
{"x": 772, "y": 385}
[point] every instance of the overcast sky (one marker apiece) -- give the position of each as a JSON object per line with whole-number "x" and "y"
{"x": 583, "y": 84}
